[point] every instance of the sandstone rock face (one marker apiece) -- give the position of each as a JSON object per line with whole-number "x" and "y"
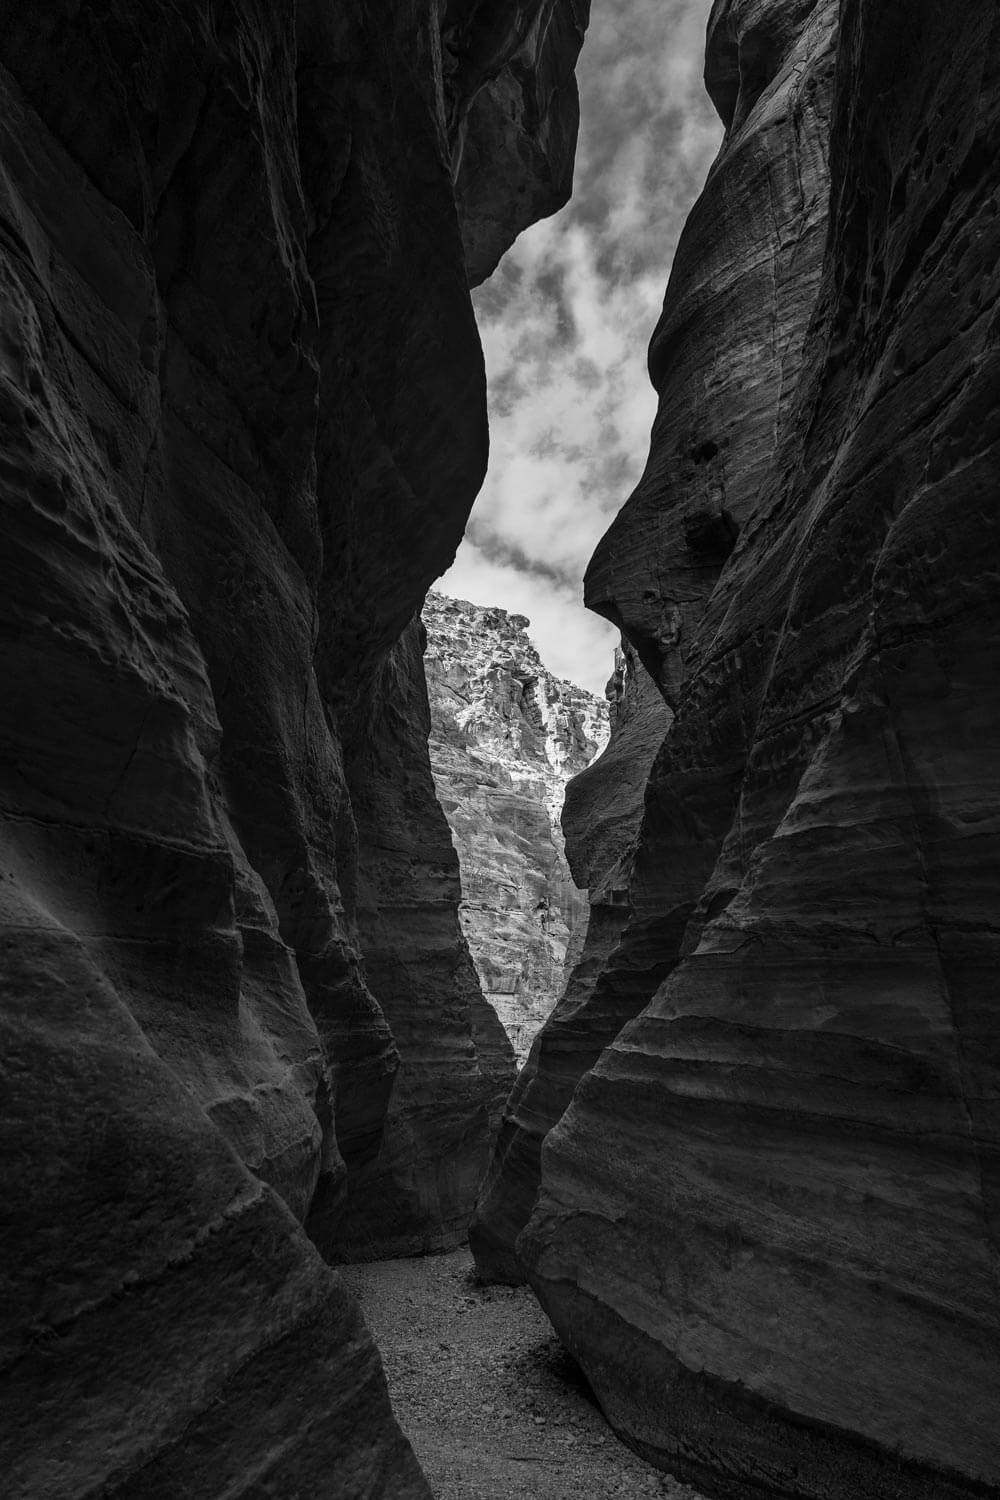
{"x": 768, "y": 1221}
{"x": 506, "y": 736}
{"x": 243, "y": 416}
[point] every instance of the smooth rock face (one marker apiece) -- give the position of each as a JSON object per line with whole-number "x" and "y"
{"x": 506, "y": 736}
{"x": 243, "y": 414}
{"x": 768, "y": 1222}
{"x": 601, "y": 819}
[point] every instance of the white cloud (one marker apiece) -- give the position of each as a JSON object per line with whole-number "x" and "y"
{"x": 565, "y": 323}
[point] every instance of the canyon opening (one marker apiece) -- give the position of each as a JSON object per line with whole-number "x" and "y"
{"x": 658, "y": 1153}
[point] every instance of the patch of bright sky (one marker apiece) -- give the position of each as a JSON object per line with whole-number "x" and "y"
{"x": 565, "y": 321}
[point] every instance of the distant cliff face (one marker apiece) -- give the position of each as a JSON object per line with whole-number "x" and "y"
{"x": 506, "y": 736}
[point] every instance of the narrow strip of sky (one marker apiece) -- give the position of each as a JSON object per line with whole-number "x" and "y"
{"x": 565, "y": 323}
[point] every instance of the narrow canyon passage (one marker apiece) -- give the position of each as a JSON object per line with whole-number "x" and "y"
{"x": 252, "y": 1006}
{"x": 493, "y": 1405}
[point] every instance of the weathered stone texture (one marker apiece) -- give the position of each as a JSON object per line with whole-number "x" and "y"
{"x": 768, "y": 1221}
{"x": 506, "y": 736}
{"x": 243, "y": 413}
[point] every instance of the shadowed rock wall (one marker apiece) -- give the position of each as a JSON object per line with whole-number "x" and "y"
{"x": 768, "y": 1221}
{"x": 243, "y": 414}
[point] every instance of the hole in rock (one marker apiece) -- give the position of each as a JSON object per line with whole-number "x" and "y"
{"x": 711, "y": 536}
{"x": 704, "y": 451}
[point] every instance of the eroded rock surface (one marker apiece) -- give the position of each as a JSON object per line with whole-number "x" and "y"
{"x": 243, "y": 414}
{"x": 768, "y": 1221}
{"x": 506, "y": 736}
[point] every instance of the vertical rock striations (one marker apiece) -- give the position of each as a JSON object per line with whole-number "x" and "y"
{"x": 768, "y": 1222}
{"x": 243, "y": 415}
{"x": 506, "y": 736}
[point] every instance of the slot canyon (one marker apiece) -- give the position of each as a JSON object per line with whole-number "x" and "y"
{"x": 264, "y": 1082}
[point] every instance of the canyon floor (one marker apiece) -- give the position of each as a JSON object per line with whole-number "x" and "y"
{"x": 494, "y": 1407}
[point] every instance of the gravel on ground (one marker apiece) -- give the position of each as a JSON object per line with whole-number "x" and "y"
{"x": 493, "y": 1405}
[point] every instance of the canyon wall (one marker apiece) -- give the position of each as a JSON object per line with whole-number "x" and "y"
{"x": 767, "y": 1223}
{"x": 243, "y": 411}
{"x": 506, "y": 736}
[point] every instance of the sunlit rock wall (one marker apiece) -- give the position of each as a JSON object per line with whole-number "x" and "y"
{"x": 768, "y": 1221}
{"x": 506, "y": 736}
{"x": 243, "y": 413}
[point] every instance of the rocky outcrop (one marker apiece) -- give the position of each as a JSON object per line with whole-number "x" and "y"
{"x": 601, "y": 816}
{"x": 506, "y": 736}
{"x": 243, "y": 413}
{"x": 768, "y": 1221}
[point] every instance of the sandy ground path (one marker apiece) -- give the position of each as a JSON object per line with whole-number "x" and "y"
{"x": 490, "y": 1401}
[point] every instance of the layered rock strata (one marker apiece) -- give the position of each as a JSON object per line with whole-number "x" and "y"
{"x": 243, "y": 413}
{"x": 506, "y": 736}
{"x": 768, "y": 1221}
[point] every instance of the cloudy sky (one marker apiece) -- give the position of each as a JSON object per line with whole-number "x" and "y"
{"x": 565, "y": 323}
